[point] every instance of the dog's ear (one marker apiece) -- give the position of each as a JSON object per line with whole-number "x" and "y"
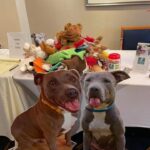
{"x": 75, "y": 72}
{"x": 83, "y": 77}
{"x": 38, "y": 78}
{"x": 120, "y": 75}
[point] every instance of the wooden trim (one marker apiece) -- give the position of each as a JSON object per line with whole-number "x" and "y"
{"x": 134, "y": 27}
{"x": 123, "y": 28}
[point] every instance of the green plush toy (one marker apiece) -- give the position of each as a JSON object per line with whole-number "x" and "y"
{"x": 64, "y": 54}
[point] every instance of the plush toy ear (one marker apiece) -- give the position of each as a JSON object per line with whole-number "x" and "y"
{"x": 38, "y": 78}
{"x": 75, "y": 72}
{"x": 120, "y": 75}
{"x": 67, "y": 25}
{"x": 80, "y": 26}
{"x": 33, "y": 35}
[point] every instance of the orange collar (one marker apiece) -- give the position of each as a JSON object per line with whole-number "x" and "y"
{"x": 57, "y": 109}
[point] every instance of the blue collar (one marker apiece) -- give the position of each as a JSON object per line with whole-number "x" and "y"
{"x": 101, "y": 110}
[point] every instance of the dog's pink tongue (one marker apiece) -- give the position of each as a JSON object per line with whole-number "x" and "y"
{"x": 95, "y": 102}
{"x": 73, "y": 106}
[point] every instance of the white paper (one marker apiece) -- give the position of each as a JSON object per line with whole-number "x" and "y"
{"x": 141, "y": 61}
{"x": 16, "y": 41}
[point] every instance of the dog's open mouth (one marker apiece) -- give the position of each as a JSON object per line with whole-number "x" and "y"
{"x": 95, "y": 102}
{"x": 72, "y": 106}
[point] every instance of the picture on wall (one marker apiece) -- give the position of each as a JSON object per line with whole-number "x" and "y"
{"x": 115, "y": 2}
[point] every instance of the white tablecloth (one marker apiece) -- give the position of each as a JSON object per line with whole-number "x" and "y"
{"x": 132, "y": 96}
{"x": 14, "y": 99}
{"x": 133, "y": 100}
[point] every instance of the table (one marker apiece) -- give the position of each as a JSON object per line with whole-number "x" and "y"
{"x": 133, "y": 100}
{"x": 14, "y": 99}
{"x": 132, "y": 96}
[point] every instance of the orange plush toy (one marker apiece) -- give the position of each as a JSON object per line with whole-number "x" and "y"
{"x": 48, "y": 46}
{"x": 40, "y": 66}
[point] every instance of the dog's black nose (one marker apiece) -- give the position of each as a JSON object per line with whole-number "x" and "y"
{"x": 94, "y": 90}
{"x": 72, "y": 93}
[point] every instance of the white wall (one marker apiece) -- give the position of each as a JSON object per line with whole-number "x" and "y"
{"x": 49, "y": 16}
{"x": 23, "y": 18}
{"x": 9, "y": 21}
{"x": 13, "y": 18}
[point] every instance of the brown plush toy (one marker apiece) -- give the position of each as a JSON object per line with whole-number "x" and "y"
{"x": 70, "y": 35}
{"x": 98, "y": 44}
{"x": 73, "y": 32}
{"x": 75, "y": 63}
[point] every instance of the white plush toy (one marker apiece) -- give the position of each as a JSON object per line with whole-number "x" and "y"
{"x": 32, "y": 50}
{"x": 50, "y": 42}
{"x": 31, "y": 53}
{"x": 25, "y": 64}
{"x": 38, "y": 52}
{"x": 28, "y": 49}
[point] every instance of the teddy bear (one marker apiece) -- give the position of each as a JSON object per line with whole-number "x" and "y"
{"x": 67, "y": 37}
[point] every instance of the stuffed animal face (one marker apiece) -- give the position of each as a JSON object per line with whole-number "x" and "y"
{"x": 38, "y": 38}
{"x": 71, "y": 34}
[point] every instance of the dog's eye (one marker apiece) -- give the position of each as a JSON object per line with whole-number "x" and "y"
{"x": 107, "y": 81}
{"x": 52, "y": 83}
{"x": 73, "y": 79}
{"x": 88, "y": 80}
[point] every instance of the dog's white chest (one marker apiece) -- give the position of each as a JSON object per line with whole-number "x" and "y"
{"x": 98, "y": 125}
{"x": 69, "y": 121}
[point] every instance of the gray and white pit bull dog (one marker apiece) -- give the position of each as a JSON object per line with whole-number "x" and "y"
{"x": 103, "y": 128}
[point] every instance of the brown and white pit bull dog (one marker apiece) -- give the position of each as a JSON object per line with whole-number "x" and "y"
{"x": 38, "y": 127}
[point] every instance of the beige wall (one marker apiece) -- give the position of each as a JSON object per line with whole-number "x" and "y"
{"x": 49, "y": 16}
{"x": 9, "y": 21}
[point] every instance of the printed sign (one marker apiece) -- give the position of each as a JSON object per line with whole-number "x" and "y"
{"x": 141, "y": 62}
{"x": 16, "y": 41}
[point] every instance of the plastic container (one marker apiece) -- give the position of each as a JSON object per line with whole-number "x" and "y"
{"x": 114, "y": 62}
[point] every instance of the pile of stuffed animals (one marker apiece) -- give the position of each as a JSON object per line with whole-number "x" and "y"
{"x": 69, "y": 50}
